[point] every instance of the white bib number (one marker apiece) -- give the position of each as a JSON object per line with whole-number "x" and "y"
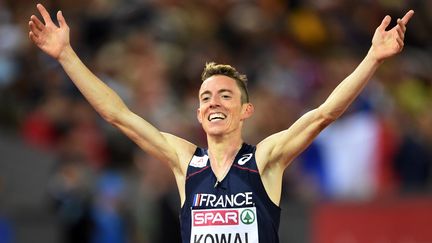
{"x": 233, "y": 225}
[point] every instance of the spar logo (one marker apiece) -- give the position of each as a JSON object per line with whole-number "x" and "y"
{"x": 215, "y": 217}
{"x": 232, "y": 225}
{"x": 223, "y": 217}
{"x": 247, "y": 216}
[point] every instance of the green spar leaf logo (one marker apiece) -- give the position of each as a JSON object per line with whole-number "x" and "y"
{"x": 247, "y": 216}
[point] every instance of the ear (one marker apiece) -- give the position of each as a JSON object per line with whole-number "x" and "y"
{"x": 248, "y": 110}
{"x": 199, "y": 115}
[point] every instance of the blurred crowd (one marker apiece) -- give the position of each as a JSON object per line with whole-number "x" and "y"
{"x": 152, "y": 52}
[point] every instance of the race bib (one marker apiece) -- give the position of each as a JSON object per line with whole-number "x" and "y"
{"x": 233, "y": 225}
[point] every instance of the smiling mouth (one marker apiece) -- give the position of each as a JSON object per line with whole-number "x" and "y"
{"x": 216, "y": 117}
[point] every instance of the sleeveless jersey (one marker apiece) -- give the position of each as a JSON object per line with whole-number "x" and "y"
{"x": 234, "y": 210}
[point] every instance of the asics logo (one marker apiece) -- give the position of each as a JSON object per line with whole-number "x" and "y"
{"x": 244, "y": 159}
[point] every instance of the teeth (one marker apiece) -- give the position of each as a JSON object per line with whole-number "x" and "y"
{"x": 216, "y": 116}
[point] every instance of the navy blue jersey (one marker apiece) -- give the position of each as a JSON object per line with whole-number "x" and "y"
{"x": 236, "y": 209}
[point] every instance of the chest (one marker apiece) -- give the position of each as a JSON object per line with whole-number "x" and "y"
{"x": 238, "y": 188}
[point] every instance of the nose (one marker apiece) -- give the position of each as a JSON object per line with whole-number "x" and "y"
{"x": 214, "y": 102}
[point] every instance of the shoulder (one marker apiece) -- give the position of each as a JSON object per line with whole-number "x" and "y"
{"x": 266, "y": 156}
{"x": 184, "y": 150}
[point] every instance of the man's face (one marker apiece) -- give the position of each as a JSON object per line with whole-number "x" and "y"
{"x": 220, "y": 111}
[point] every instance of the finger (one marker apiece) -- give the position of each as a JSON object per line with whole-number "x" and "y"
{"x": 399, "y": 29}
{"x": 33, "y": 28}
{"x": 37, "y": 22}
{"x": 407, "y": 16}
{"x": 61, "y": 19}
{"x": 400, "y": 43}
{"x": 45, "y": 15}
{"x": 385, "y": 22}
{"x": 33, "y": 37}
{"x": 402, "y": 25}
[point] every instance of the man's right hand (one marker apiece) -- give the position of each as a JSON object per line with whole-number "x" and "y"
{"x": 48, "y": 37}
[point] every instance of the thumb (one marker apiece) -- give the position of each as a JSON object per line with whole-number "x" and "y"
{"x": 61, "y": 19}
{"x": 385, "y": 22}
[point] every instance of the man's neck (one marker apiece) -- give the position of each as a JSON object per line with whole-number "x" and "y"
{"x": 223, "y": 150}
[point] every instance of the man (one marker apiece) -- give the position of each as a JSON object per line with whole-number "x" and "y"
{"x": 229, "y": 192}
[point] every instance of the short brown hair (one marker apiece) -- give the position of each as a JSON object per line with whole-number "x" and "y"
{"x": 212, "y": 69}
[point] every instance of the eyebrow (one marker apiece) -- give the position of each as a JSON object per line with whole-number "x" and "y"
{"x": 219, "y": 91}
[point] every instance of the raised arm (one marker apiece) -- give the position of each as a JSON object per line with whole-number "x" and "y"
{"x": 54, "y": 40}
{"x": 276, "y": 152}
{"x": 384, "y": 45}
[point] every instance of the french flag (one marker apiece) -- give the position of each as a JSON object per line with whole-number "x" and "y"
{"x": 196, "y": 200}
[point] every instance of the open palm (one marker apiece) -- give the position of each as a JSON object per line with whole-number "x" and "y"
{"x": 388, "y": 43}
{"x": 49, "y": 37}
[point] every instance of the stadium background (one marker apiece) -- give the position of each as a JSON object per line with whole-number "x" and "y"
{"x": 67, "y": 176}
